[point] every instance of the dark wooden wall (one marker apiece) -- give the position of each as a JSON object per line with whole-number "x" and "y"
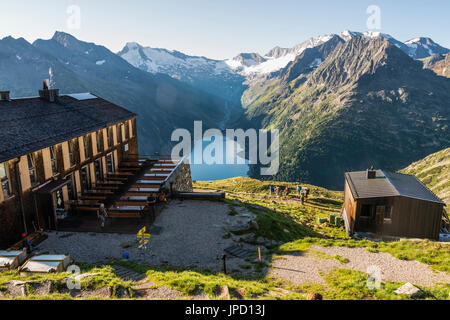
{"x": 411, "y": 217}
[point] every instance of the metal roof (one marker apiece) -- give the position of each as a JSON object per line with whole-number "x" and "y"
{"x": 388, "y": 184}
{"x": 31, "y": 124}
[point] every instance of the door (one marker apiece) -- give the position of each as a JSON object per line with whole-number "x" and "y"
{"x": 85, "y": 181}
{"x": 98, "y": 170}
{"x": 379, "y": 217}
{"x": 110, "y": 162}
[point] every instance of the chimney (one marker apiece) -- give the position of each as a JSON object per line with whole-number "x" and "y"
{"x": 48, "y": 94}
{"x": 4, "y": 95}
{"x": 371, "y": 173}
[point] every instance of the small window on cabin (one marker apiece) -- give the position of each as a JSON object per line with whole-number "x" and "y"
{"x": 32, "y": 169}
{"x": 127, "y": 130}
{"x": 86, "y": 146}
{"x": 388, "y": 214}
{"x": 71, "y": 153}
{"x": 4, "y": 180}
{"x": 53, "y": 160}
{"x": 366, "y": 210}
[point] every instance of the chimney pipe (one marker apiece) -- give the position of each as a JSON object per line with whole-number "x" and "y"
{"x": 4, "y": 95}
{"x": 371, "y": 173}
{"x": 50, "y": 95}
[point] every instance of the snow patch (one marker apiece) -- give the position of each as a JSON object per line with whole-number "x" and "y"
{"x": 100, "y": 62}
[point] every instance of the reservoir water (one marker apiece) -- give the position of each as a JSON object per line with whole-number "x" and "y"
{"x": 215, "y": 171}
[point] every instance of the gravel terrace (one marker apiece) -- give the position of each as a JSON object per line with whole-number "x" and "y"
{"x": 301, "y": 268}
{"x": 192, "y": 235}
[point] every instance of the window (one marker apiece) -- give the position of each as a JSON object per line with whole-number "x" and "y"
{"x": 85, "y": 181}
{"x": 71, "y": 187}
{"x": 99, "y": 139}
{"x": 366, "y": 210}
{"x": 388, "y": 214}
{"x": 53, "y": 160}
{"x": 110, "y": 137}
{"x": 86, "y": 146}
{"x": 4, "y": 180}
{"x": 119, "y": 133}
{"x": 127, "y": 130}
{"x": 71, "y": 153}
{"x": 32, "y": 169}
{"x": 110, "y": 162}
{"x": 98, "y": 170}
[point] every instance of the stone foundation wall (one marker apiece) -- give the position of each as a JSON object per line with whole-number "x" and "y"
{"x": 182, "y": 180}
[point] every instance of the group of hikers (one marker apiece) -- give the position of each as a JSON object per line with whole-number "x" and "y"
{"x": 102, "y": 213}
{"x": 302, "y": 192}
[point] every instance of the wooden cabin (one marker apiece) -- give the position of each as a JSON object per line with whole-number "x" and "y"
{"x": 52, "y": 149}
{"x": 391, "y": 204}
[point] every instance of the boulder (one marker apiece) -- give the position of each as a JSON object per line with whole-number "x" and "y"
{"x": 314, "y": 296}
{"x": 222, "y": 292}
{"x": 122, "y": 293}
{"x": 17, "y": 288}
{"x": 410, "y": 290}
{"x": 43, "y": 288}
{"x": 239, "y": 293}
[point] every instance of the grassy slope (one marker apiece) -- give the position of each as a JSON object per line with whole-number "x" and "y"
{"x": 293, "y": 228}
{"x": 434, "y": 172}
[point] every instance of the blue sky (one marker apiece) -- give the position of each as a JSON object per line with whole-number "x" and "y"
{"x": 220, "y": 28}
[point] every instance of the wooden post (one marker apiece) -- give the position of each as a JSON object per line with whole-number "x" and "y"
{"x": 259, "y": 254}
{"x": 224, "y": 258}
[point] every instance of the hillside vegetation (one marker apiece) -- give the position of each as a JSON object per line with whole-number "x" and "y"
{"x": 367, "y": 103}
{"x": 434, "y": 172}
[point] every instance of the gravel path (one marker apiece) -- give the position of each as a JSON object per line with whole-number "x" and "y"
{"x": 304, "y": 267}
{"x": 192, "y": 235}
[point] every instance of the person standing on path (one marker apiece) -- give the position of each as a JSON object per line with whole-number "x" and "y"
{"x": 286, "y": 191}
{"x": 299, "y": 190}
{"x": 102, "y": 214}
{"x": 271, "y": 189}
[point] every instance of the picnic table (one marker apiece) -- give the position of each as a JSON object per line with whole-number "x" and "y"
{"x": 120, "y": 173}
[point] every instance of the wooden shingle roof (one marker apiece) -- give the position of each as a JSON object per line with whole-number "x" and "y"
{"x": 388, "y": 184}
{"x": 31, "y": 124}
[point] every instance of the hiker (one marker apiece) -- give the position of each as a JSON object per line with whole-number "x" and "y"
{"x": 299, "y": 190}
{"x": 286, "y": 191}
{"x": 278, "y": 191}
{"x": 27, "y": 243}
{"x": 306, "y": 193}
{"x": 302, "y": 198}
{"x": 271, "y": 189}
{"x": 102, "y": 214}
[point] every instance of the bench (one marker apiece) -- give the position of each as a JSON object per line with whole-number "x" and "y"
{"x": 93, "y": 198}
{"x": 108, "y": 187}
{"x": 118, "y": 214}
{"x": 113, "y": 178}
{"x": 146, "y": 185}
{"x": 138, "y": 194}
{"x": 131, "y": 203}
{"x": 120, "y": 173}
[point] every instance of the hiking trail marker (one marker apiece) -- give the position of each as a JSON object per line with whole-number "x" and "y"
{"x": 143, "y": 237}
